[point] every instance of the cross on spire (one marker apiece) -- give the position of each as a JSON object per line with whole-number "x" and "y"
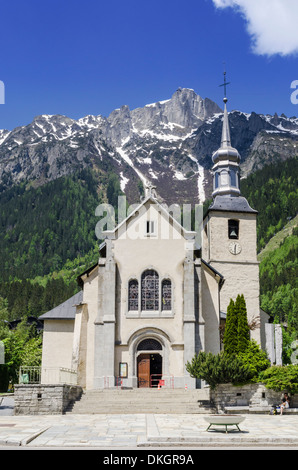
{"x": 225, "y": 138}
{"x": 224, "y": 84}
{"x": 150, "y": 189}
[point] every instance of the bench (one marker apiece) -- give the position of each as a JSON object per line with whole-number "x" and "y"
{"x": 257, "y": 409}
{"x": 290, "y": 411}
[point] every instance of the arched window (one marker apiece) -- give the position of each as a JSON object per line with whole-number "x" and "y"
{"x": 166, "y": 294}
{"x": 150, "y": 290}
{"x": 233, "y": 176}
{"x": 216, "y": 180}
{"x": 133, "y": 295}
{"x": 233, "y": 227}
{"x": 149, "y": 344}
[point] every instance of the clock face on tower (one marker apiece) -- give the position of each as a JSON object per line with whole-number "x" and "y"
{"x": 235, "y": 248}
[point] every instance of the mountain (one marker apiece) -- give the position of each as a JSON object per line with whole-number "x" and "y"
{"x": 169, "y": 143}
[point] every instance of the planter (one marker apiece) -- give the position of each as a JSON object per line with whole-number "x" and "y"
{"x": 224, "y": 420}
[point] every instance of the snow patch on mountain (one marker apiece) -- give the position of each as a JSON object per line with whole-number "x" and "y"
{"x": 123, "y": 181}
{"x": 169, "y": 142}
{"x": 201, "y": 178}
{"x": 128, "y": 160}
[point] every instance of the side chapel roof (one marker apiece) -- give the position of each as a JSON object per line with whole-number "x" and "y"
{"x": 66, "y": 310}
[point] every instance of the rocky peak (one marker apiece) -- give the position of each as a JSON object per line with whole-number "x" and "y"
{"x": 188, "y": 109}
{"x": 185, "y": 109}
{"x": 168, "y": 142}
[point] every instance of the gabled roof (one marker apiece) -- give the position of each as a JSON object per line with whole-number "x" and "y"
{"x": 86, "y": 272}
{"x": 187, "y": 233}
{"x": 64, "y": 311}
{"x": 112, "y": 233}
{"x": 219, "y": 277}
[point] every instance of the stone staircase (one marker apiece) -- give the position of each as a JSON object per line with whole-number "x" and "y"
{"x": 149, "y": 400}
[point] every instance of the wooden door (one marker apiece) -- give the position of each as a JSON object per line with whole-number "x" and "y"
{"x": 144, "y": 370}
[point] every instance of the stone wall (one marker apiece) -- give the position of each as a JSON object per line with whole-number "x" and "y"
{"x": 44, "y": 399}
{"x": 254, "y": 396}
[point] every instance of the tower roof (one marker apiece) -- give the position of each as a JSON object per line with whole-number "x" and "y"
{"x": 231, "y": 204}
{"x": 225, "y": 135}
{"x": 226, "y": 159}
{"x": 226, "y": 151}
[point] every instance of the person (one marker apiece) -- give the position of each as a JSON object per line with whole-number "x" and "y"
{"x": 285, "y": 403}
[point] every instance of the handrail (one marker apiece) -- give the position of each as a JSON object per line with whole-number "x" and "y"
{"x": 48, "y": 375}
{"x": 161, "y": 380}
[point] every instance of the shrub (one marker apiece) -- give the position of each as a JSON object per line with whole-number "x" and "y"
{"x": 218, "y": 368}
{"x": 280, "y": 378}
{"x": 254, "y": 358}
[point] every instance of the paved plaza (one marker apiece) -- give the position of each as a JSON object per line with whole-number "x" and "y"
{"x": 142, "y": 431}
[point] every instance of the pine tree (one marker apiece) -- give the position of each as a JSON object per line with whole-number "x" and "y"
{"x": 230, "y": 339}
{"x": 243, "y": 328}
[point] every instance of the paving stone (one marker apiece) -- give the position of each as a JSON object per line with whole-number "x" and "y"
{"x": 143, "y": 430}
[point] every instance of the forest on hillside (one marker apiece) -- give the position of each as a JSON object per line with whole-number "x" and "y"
{"x": 279, "y": 282}
{"x": 47, "y": 238}
{"x": 41, "y": 228}
{"x": 273, "y": 192}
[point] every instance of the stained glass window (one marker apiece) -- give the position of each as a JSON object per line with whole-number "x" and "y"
{"x": 166, "y": 293}
{"x": 133, "y": 295}
{"x": 150, "y": 290}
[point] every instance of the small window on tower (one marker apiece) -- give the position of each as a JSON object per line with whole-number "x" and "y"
{"x": 216, "y": 181}
{"x": 233, "y": 229}
{"x": 233, "y": 177}
{"x": 224, "y": 178}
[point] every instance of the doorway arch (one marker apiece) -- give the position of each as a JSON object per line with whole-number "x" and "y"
{"x": 149, "y": 363}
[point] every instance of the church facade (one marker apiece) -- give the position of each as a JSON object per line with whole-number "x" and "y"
{"x": 155, "y": 298}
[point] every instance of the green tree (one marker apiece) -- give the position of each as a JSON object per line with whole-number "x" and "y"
{"x": 242, "y": 327}
{"x": 32, "y": 352}
{"x": 21, "y": 345}
{"x": 230, "y": 340}
{"x": 236, "y": 335}
{"x": 4, "y": 330}
{"x": 113, "y": 190}
{"x": 254, "y": 358}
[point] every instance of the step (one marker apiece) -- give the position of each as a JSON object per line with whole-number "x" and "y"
{"x": 119, "y": 401}
{"x": 139, "y": 410}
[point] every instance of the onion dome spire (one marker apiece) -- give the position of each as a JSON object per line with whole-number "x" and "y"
{"x": 226, "y": 179}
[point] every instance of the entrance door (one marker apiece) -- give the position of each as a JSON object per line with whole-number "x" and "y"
{"x": 155, "y": 369}
{"x": 144, "y": 370}
{"x": 149, "y": 370}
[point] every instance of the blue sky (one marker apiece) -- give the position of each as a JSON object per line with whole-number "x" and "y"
{"x": 77, "y": 58}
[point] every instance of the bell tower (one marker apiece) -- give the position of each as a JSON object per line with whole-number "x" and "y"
{"x": 230, "y": 235}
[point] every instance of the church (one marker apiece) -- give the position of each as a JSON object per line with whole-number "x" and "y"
{"x": 157, "y": 297}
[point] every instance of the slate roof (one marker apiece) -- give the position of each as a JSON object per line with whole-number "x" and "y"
{"x": 64, "y": 311}
{"x": 231, "y": 204}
